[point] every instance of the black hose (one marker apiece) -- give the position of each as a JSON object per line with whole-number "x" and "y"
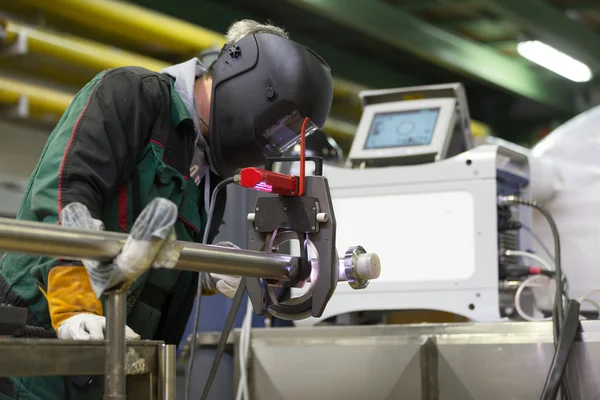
{"x": 235, "y": 306}
{"x": 558, "y": 301}
{"x": 558, "y": 311}
{"x": 568, "y": 333}
{"x": 30, "y": 331}
{"x": 559, "y": 297}
{"x": 209, "y": 218}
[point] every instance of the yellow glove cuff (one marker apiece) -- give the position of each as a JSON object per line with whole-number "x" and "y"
{"x": 70, "y": 293}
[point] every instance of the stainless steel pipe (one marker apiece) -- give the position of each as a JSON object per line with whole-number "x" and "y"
{"x": 56, "y": 241}
{"x": 166, "y": 372}
{"x": 115, "y": 387}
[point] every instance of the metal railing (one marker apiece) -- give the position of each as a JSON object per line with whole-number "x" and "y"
{"x": 149, "y": 365}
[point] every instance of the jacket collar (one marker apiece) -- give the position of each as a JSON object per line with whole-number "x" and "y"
{"x": 179, "y": 111}
{"x": 183, "y": 76}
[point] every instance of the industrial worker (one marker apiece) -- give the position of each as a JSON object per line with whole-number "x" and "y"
{"x": 130, "y": 137}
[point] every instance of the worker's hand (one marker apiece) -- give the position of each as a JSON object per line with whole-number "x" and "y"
{"x": 102, "y": 275}
{"x": 168, "y": 255}
{"x": 150, "y": 243}
{"x": 87, "y": 326}
{"x": 224, "y": 284}
{"x": 77, "y": 215}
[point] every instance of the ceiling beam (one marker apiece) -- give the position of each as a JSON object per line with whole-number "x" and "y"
{"x": 484, "y": 30}
{"x": 418, "y": 5}
{"x": 387, "y": 24}
{"x": 576, "y": 5}
{"x": 505, "y": 46}
{"x": 551, "y": 26}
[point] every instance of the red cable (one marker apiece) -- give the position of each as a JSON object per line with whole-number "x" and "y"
{"x": 302, "y": 155}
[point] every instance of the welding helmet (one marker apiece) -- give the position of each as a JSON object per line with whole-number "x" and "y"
{"x": 263, "y": 87}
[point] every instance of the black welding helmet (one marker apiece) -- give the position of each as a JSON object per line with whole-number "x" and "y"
{"x": 263, "y": 88}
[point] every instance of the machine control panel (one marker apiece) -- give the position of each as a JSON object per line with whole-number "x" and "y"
{"x": 411, "y": 126}
{"x": 402, "y": 128}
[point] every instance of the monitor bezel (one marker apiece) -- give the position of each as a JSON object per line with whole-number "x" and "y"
{"x": 444, "y": 128}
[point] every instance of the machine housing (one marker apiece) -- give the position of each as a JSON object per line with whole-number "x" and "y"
{"x": 436, "y": 224}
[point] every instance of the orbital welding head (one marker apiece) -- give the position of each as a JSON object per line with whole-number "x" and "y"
{"x": 263, "y": 88}
{"x": 285, "y": 215}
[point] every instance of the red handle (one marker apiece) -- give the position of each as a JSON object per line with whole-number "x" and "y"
{"x": 269, "y": 181}
{"x": 273, "y": 182}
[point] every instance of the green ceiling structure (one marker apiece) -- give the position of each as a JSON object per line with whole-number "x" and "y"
{"x": 388, "y": 24}
{"x": 509, "y": 93}
{"x": 344, "y": 64}
{"x": 551, "y": 26}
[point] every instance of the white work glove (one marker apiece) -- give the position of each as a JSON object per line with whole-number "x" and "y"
{"x": 152, "y": 242}
{"x": 87, "y": 326}
{"x": 227, "y": 285}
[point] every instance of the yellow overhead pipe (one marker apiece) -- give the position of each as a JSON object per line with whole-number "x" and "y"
{"x": 74, "y": 50}
{"x": 41, "y": 100}
{"x": 141, "y": 25}
{"x": 479, "y": 129}
{"x": 344, "y": 131}
{"x": 44, "y": 101}
{"x": 135, "y": 23}
{"x": 157, "y": 30}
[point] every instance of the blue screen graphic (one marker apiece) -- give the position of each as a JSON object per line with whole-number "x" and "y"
{"x": 401, "y": 129}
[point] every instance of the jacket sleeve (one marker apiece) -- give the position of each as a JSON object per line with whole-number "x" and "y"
{"x": 90, "y": 154}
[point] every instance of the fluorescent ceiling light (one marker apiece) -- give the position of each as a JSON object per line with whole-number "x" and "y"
{"x": 554, "y": 60}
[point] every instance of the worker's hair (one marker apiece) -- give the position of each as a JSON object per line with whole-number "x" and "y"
{"x": 240, "y": 29}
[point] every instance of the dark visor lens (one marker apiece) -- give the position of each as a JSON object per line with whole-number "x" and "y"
{"x": 285, "y": 133}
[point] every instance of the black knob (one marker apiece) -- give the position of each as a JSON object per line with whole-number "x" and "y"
{"x": 270, "y": 93}
{"x": 235, "y": 51}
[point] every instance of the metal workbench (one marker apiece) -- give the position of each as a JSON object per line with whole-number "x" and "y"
{"x": 469, "y": 361}
{"x": 150, "y": 365}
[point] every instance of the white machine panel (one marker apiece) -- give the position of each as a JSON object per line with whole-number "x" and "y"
{"x": 434, "y": 227}
{"x": 427, "y": 237}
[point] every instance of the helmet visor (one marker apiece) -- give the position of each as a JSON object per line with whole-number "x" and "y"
{"x": 285, "y": 132}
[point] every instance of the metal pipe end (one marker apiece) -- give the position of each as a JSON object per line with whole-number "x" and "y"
{"x": 368, "y": 266}
{"x": 361, "y": 267}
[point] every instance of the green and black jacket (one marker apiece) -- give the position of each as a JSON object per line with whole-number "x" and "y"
{"x": 126, "y": 139}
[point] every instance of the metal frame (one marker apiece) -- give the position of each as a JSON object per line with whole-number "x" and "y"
{"x": 116, "y": 357}
{"x": 150, "y": 365}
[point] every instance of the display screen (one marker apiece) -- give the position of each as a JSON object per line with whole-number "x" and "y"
{"x": 401, "y": 129}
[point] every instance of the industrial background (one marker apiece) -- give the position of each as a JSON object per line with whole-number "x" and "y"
{"x": 51, "y": 48}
